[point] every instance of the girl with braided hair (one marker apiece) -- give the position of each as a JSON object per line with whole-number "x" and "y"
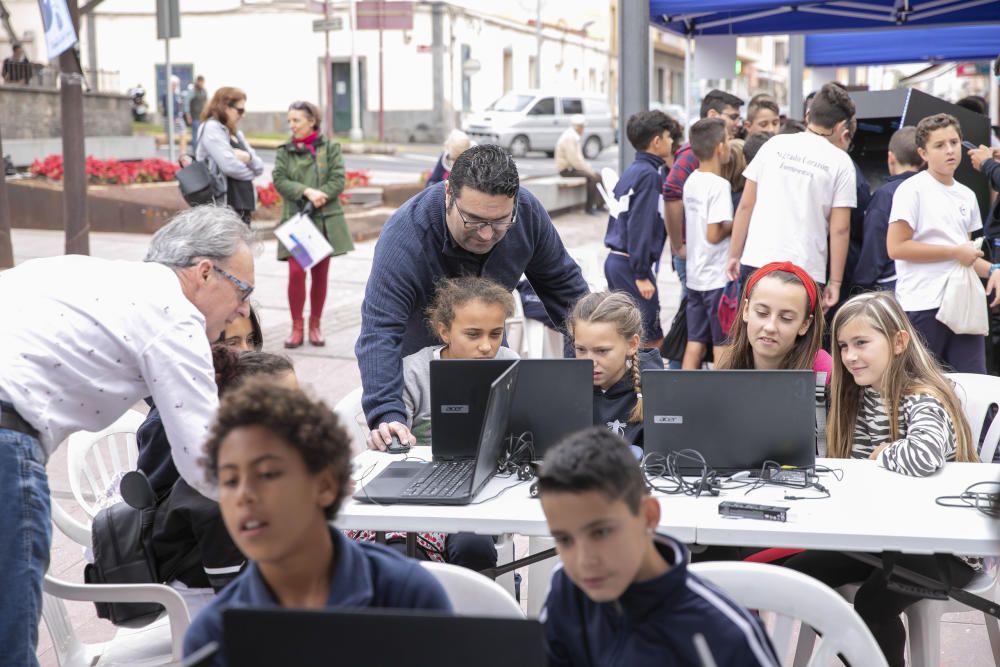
{"x": 607, "y": 329}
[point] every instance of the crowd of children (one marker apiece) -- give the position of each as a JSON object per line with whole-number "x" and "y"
{"x": 783, "y": 219}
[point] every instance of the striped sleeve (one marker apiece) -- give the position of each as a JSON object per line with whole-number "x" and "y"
{"x": 755, "y": 649}
{"x": 929, "y": 440}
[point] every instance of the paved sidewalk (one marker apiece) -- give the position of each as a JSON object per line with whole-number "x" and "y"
{"x": 331, "y": 372}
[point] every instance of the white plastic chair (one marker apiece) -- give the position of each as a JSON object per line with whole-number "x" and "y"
{"x": 352, "y": 417}
{"x": 160, "y": 643}
{"x": 472, "y": 594}
{"x": 97, "y": 457}
{"x": 978, "y": 394}
{"x": 514, "y": 326}
{"x": 792, "y": 596}
{"x": 924, "y": 620}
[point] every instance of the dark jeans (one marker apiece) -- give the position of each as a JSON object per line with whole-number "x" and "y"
{"x": 25, "y": 541}
{"x": 878, "y": 606}
{"x": 476, "y": 552}
{"x": 593, "y": 196}
{"x": 618, "y": 272}
{"x": 965, "y": 353}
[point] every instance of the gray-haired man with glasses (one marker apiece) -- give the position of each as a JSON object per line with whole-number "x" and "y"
{"x": 479, "y": 222}
{"x": 83, "y": 340}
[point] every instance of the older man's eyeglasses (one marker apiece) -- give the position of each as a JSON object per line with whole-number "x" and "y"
{"x": 245, "y": 289}
{"x": 499, "y": 225}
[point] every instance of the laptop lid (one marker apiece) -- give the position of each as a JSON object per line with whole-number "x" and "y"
{"x": 737, "y": 420}
{"x": 378, "y": 638}
{"x": 553, "y": 398}
{"x": 492, "y": 438}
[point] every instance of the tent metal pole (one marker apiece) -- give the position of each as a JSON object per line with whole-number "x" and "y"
{"x": 633, "y": 71}
{"x": 796, "y": 67}
{"x": 688, "y": 48}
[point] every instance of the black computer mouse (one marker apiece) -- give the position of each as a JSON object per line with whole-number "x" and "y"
{"x": 397, "y": 447}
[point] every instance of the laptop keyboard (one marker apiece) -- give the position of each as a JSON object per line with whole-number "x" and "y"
{"x": 442, "y": 480}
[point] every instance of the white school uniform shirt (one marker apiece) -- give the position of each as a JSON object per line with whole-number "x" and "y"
{"x": 708, "y": 199}
{"x": 84, "y": 339}
{"x": 800, "y": 178}
{"x": 938, "y": 214}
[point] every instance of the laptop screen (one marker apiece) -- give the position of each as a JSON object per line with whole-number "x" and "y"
{"x": 736, "y": 420}
{"x": 492, "y": 438}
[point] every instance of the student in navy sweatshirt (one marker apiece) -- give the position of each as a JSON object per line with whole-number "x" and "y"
{"x": 623, "y": 595}
{"x": 607, "y": 329}
{"x": 282, "y": 462}
{"x": 636, "y": 237}
{"x": 876, "y": 271}
{"x": 479, "y": 222}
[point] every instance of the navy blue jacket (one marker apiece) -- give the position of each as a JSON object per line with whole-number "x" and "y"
{"x": 991, "y": 170}
{"x": 652, "y": 623}
{"x": 155, "y": 458}
{"x": 874, "y": 264}
{"x": 864, "y": 195}
{"x": 437, "y": 175}
{"x": 414, "y": 252}
{"x": 613, "y": 407}
{"x": 365, "y": 575}
{"x": 639, "y": 231}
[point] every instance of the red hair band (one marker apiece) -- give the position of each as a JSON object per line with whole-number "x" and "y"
{"x": 787, "y": 267}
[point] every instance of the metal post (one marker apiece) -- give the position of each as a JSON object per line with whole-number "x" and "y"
{"x": 95, "y": 79}
{"x": 796, "y": 67}
{"x": 168, "y": 99}
{"x": 6, "y": 244}
{"x": 381, "y": 74}
{"x": 633, "y": 66}
{"x": 688, "y": 57}
{"x": 538, "y": 43}
{"x": 327, "y": 73}
{"x": 74, "y": 153}
{"x": 356, "y": 134}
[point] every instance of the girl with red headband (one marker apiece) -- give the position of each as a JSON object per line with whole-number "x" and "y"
{"x": 780, "y": 324}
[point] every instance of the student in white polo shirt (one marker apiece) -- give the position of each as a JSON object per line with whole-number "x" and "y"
{"x": 800, "y": 190}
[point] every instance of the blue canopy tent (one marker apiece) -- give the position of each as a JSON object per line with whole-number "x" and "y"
{"x": 759, "y": 17}
{"x": 693, "y": 18}
{"x": 961, "y": 43}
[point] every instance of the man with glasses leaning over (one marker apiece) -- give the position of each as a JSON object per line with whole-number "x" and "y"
{"x": 83, "y": 340}
{"x": 478, "y": 222}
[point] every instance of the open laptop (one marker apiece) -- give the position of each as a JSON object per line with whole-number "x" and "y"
{"x": 456, "y": 480}
{"x": 552, "y": 398}
{"x": 736, "y": 420}
{"x": 378, "y": 638}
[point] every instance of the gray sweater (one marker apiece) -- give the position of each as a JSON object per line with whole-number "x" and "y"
{"x": 417, "y": 388}
{"x": 214, "y": 149}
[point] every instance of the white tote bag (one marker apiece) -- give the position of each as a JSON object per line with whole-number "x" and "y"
{"x": 963, "y": 309}
{"x": 304, "y": 241}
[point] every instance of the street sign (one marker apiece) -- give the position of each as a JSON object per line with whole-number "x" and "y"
{"x": 332, "y": 23}
{"x": 376, "y": 15}
{"x": 471, "y": 66}
{"x": 168, "y": 19}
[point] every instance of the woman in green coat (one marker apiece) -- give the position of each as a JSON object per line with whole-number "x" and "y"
{"x": 310, "y": 168}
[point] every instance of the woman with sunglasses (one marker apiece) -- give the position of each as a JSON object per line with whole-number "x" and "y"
{"x": 230, "y": 159}
{"x": 309, "y": 169}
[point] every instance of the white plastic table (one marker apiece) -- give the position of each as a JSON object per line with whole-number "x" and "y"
{"x": 870, "y": 509}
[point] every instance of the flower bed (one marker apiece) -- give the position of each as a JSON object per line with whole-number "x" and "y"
{"x": 110, "y": 172}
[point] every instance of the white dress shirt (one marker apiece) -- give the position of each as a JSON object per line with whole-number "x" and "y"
{"x": 83, "y": 339}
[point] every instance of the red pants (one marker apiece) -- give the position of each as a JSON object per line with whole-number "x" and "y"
{"x": 297, "y": 289}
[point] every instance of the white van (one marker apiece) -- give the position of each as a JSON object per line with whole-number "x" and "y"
{"x": 532, "y": 120}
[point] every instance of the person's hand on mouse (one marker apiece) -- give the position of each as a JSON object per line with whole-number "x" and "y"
{"x": 378, "y": 439}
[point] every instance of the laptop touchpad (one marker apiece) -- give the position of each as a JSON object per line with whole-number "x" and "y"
{"x": 401, "y": 469}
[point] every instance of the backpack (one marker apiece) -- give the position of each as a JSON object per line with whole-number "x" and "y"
{"x": 675, "y": 341}
{"x": 123, "y": 554}
{"x": 196, "y": 182}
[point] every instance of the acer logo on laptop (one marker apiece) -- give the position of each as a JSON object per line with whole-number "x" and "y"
{"x": 668, "y": 419}
{"x": 454, "y": 409}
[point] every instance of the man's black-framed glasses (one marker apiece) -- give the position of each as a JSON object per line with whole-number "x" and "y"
{"x": 500, "y": 225}
{"x": 245, "y": 289}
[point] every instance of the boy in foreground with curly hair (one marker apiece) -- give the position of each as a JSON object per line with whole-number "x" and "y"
{"x": 282, "y": 463}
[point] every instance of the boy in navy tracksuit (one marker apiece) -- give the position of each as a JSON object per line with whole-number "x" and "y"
{"x": 875, "y": 270}
{"x": 282, "y": 462}
{"x": 623, "y": 595}
{"x": 636, "y": 237}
